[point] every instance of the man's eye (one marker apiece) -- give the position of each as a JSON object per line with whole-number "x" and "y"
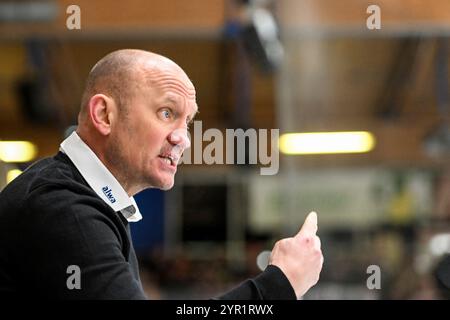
{"x": 166, "y": 114}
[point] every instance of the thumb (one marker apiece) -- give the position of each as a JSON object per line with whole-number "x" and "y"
{"x": 310, "y": 224}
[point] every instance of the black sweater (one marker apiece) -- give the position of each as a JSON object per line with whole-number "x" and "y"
{"x": 51, "y": 219}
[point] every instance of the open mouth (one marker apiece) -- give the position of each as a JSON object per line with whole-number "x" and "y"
{"x": 169, "y": 160}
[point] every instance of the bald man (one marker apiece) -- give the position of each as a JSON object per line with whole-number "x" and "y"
{"x": 64, "y": 222}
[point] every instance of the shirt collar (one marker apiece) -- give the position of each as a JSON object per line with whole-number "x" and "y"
{"x": 99, "y": 178}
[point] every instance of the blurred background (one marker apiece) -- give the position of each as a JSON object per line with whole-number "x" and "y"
{"x": 300, "y": 66}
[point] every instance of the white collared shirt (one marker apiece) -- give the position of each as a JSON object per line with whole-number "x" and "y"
{"x": 99, "y": 178}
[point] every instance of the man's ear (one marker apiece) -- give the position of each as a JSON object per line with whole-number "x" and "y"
{"x": 101, "y": 109}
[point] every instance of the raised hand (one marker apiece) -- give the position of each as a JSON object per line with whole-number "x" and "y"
{"x": 300, "y": 257}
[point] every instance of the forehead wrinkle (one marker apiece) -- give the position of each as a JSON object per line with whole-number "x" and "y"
{"x": 163, "y": 79}
{"x": 178, "y": 88}
{"x": 166, "y": 78}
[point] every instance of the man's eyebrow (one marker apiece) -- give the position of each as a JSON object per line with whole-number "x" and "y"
{"x": 174, "y": 100}
{"x": 170, "y": 99}
{"x": 193, "y": 115}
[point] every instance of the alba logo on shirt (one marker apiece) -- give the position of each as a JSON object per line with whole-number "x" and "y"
{"x": 108, "y": 193}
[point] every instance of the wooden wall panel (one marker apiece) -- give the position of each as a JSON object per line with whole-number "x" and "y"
{"x": 331, "y": 15}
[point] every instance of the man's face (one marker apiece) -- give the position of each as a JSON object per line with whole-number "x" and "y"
{"x": 151, "y": 138}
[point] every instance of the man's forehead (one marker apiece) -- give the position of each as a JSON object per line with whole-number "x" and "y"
{"x": 169, "y": 77}
{"x": 163, "y": 65}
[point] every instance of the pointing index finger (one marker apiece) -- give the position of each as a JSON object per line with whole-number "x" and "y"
{"x": 310, "y": 224}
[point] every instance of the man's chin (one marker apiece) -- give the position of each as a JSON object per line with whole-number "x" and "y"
{"x": 166, "y": 184}
{"x": 166, "y": 187}
{"x": 161, "y": 180}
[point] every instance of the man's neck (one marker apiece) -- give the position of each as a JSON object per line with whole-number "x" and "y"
{"x": 100, "y": 150}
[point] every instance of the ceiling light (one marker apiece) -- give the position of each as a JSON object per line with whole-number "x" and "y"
{"x": 327, "y": 142}
{"x": 17, "y": 151}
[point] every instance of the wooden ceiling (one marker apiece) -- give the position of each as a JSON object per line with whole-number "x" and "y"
{"x": 345, "y": 84}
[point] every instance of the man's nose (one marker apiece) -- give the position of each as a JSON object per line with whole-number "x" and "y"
{"x": 180, "y": 138}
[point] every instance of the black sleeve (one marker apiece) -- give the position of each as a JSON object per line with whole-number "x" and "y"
{"x": 64, "y": 229}
{"x": 271, "y": 284}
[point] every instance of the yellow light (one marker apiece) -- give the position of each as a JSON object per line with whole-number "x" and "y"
{"x": 12, "y": 174}
{"x": 17, "y": 151}
{"x": 327, "y": 142}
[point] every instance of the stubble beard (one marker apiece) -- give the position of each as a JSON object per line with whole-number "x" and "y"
{"x": 120, "y": 168}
